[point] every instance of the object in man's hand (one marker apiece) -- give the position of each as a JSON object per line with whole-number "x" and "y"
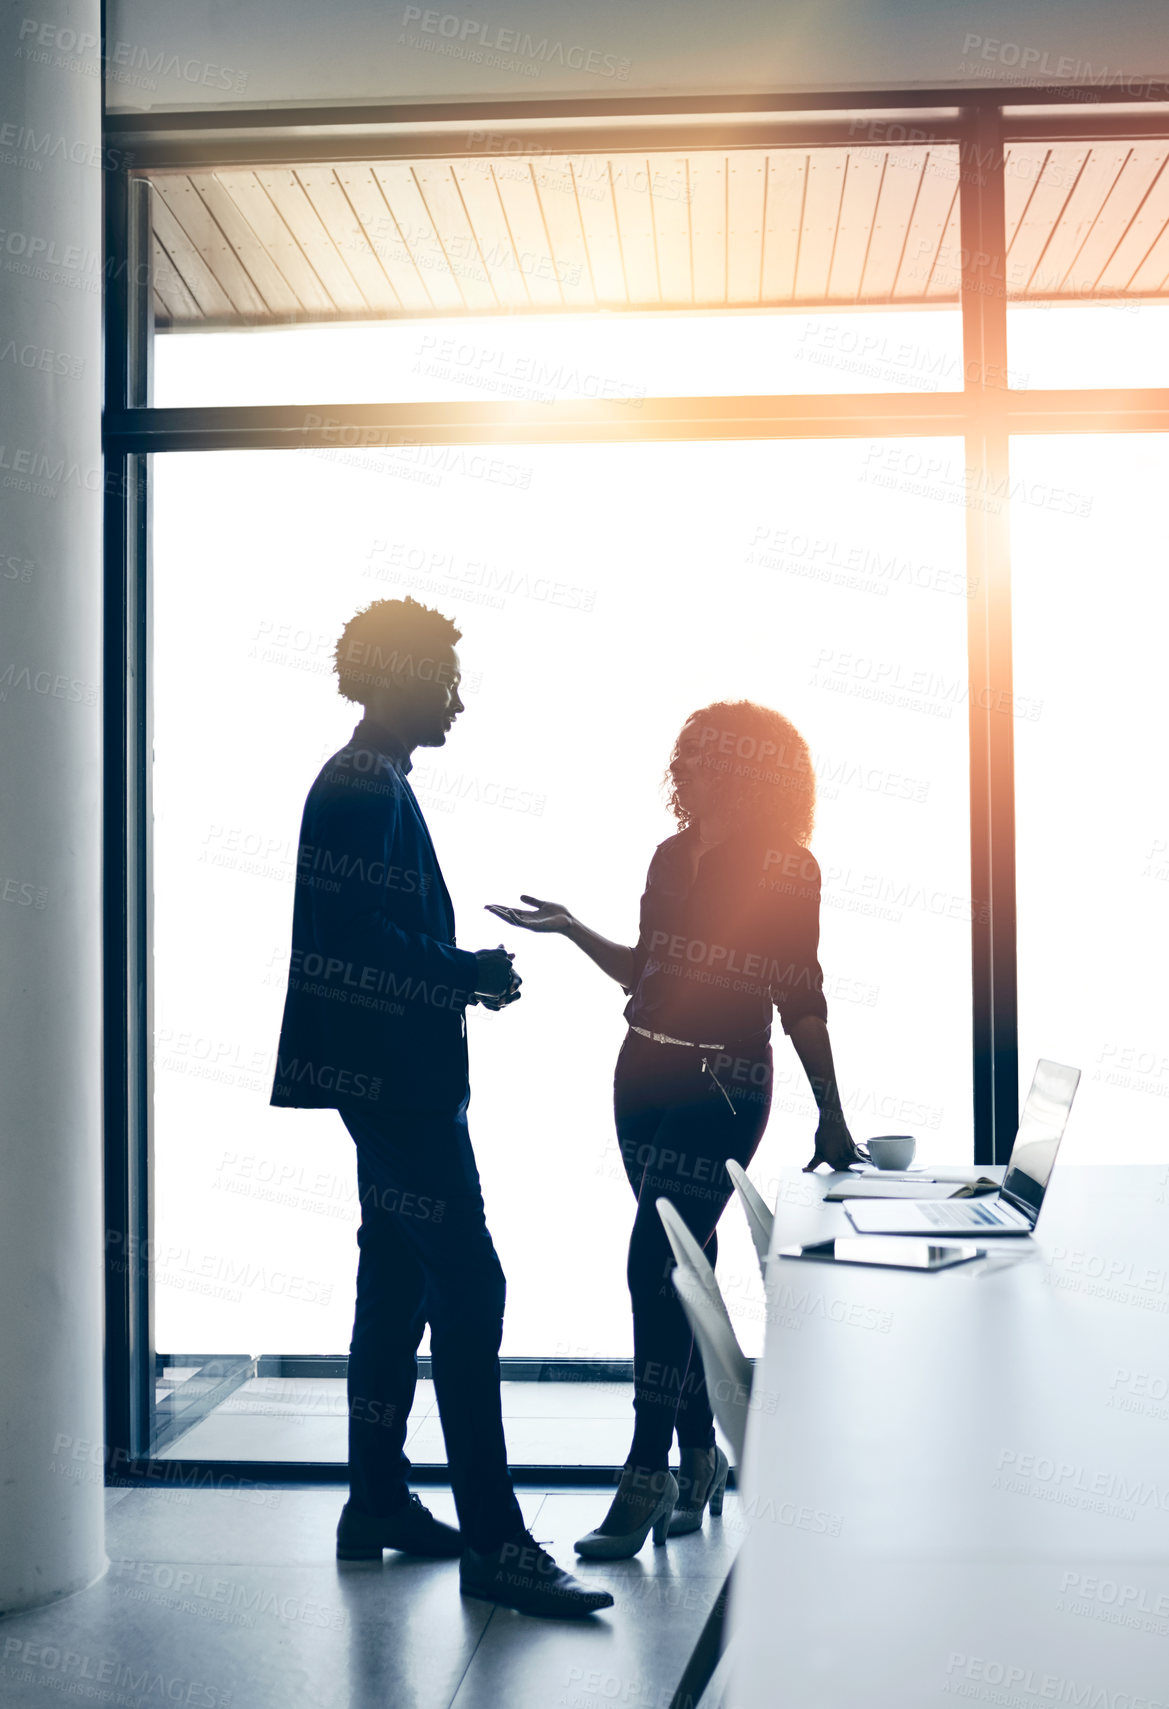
{"x": 511, "y": 995}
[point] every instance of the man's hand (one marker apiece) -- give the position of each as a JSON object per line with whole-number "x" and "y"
{"x": 496, "y": 982}
{"x": 511, "y": 995}
{"x": 834, "y": 1144}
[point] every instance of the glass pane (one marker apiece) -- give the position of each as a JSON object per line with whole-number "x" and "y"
{"x": 1091, "y": 607}
{"x": 551, "y": 278}
{"x": 1087, "y": 271}
{"x": 1103, "y": 344}
{"x": 604, "y": 592}
{"x": 546, "y": 360}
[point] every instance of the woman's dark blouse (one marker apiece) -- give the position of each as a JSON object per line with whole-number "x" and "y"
{"x": 715, "y": 954}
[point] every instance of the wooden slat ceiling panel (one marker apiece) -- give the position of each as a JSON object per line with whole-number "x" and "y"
{"x": 364, "y": 195}
{"x": 670, "y": 206}
{"x": 943, "y": 282}
{"x": 743, "y": 228}
{"x": 599, "y": 222}
{"x": 192, "y": 215}
{"x": 178, "y": 305}
{"x": 348, "y": 236}
{"x": 258, "y": 209}
{"x": 858, "y": 209}
{"x": 287, "y": 195}
{"x": 1124, "y": 203}
{"x": 747, "y": 185}
{"x": 708, "y": 222}
{"x": 476, "y": 184}
{"x": 1043, "y": 181}
{"x": 1143, "y": 231}
{"x": 1023, "y": 168}
{"x": 191, "y": 265}
{"x": 937, "y": 194}
{"x": 416, "y": 231}
{"x": 1152, "y": 276}
{"x": 279, "y": 297}
{"x": 827, "y": 175}
{"x": 787, "y": 178}
{"x": 886, "y": 268}
{"x": 556, "y": 187}
{"x": 1081, "y": 209}
{"x": 944, "y": 248}
{"x": 523, "y": 210}
{"x": 458, "y": 237}
{"x": 635, "y": 227}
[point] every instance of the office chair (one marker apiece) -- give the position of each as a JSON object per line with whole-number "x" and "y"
{"x": 759, "y": 1219}
{"x": 728, "y": 1372}
{"x": 686, "y": 1248}
{"x": 728, "y": 1380}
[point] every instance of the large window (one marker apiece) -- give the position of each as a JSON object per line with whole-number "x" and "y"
{"x": 604, "y": 593}
{"x": 654, "y": 428}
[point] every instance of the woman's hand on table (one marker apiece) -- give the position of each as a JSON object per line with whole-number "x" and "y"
{"x": 835, "y": 1145}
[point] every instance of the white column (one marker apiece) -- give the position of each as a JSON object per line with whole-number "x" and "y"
{"x": 51, "y": 1496}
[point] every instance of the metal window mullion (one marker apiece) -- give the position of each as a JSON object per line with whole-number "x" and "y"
{"x": 138, "y": 296}
{"x": 120, "y": 1409}
{"x": 129, "y": 1358}
{"x": 187, "y": 139}
{"x": 140, "y": 810}
{"x": 413, "y": 423}
{"x": 142, "y": 583}
{"x": 124, "y": 1246}
{"x": 994, "y": 996}
{"x": 140, "y": 911}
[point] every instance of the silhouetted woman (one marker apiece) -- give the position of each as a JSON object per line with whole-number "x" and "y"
{"x": 730, "y": 925}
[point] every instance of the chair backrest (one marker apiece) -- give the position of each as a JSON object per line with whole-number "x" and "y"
{"x": 686, "y": 1249}
{"x": 759, "y": 1218}
{"x": 728, "y": 1373}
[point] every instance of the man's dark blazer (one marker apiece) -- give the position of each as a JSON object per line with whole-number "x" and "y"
{"x": 373, "y": 1018}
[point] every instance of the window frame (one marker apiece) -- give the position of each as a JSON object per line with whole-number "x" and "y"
{"x": 985, "y": 415}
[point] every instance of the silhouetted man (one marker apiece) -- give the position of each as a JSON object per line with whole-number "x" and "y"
{"x": 374, "y": 1027}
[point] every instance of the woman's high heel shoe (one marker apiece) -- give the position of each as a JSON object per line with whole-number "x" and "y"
{"x": 603, "y": 1545}
{"x": 688, "y": 1513}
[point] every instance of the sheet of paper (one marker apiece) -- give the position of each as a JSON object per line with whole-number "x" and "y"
{"x": 958, "y": 1175}
{"x": 868, "y": 1188}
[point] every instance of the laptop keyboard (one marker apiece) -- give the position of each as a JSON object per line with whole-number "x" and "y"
{"x": 969, "y": 1214}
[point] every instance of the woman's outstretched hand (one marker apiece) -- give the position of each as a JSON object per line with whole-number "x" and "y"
{"x": 835, "y": 1145}
{"x": 541, "y": 917}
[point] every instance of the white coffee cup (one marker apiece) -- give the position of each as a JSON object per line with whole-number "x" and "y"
{"x": 892, "y": 1150}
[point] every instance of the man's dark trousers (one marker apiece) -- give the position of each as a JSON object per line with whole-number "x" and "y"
{"x": 426, "y": 1256}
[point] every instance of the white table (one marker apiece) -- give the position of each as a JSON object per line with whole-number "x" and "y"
{"x": 956, "y": 1486}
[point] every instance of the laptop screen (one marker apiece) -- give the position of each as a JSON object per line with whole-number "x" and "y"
{"x": 1041, "y": 1128}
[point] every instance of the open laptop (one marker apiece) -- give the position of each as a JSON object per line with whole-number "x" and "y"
{"x": 1014, "y": 1209}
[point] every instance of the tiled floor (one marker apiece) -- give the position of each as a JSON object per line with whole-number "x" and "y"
{"x": 224, "y": 1597}
{"x": 289, "y": 1418}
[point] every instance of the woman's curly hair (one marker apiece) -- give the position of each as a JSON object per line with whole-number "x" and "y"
{"x": 761, "y": 764}
{"x": 387, "y": 640}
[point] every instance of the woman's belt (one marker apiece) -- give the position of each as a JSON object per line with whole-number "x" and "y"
{"x": 664, "y": 1038}
{"x": 753, "y": 1041}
